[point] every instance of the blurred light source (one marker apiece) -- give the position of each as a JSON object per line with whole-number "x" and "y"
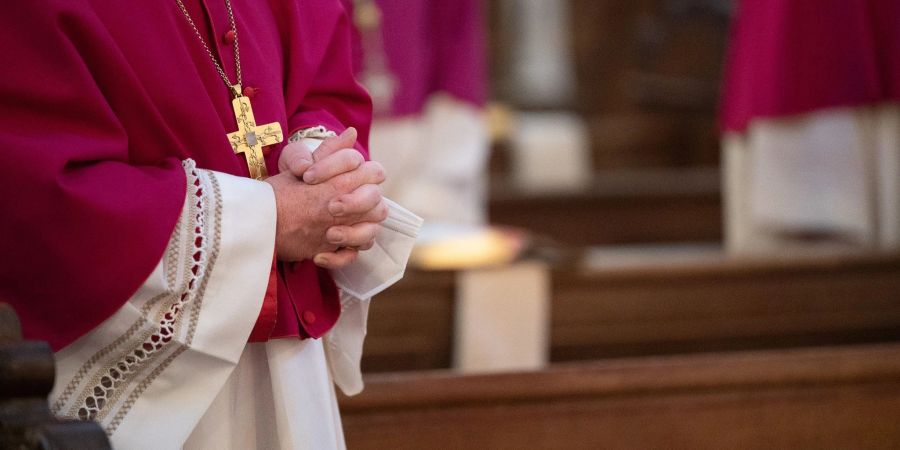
{"x": 456, "y": 247}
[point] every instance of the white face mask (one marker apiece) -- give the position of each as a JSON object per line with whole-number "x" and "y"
{"x": 381, "y": 266}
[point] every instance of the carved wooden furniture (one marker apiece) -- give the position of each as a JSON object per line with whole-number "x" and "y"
{"x": 26, "y": 378}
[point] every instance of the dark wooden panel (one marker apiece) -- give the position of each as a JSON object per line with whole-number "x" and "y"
{"x": 652, "y": 66}
{"x": 725, "y": 305}
{"x": 620, "y": 207}
{"x": 411, "y": 328}
{"x": 700, "y": 307}
{"x": 804, "y": 398}
{"x": 26, "y": 378}
{"x": 650, "y": 69}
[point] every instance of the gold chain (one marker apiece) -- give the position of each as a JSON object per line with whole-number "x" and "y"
{"x": 237, "y": 50}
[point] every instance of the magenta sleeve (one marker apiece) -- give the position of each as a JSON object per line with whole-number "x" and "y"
{"x": 83, "y": 223}
{"x": 335, "y": 99}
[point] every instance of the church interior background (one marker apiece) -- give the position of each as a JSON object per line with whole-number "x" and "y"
{"x": 615, "y": 255}
{"x": 584, "y": 280}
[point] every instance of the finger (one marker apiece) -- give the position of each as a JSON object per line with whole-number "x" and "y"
{"x": 337, "y": 259}
{"x": 295, "y": 159}
{"x": 361, "y": 235}
{"x": 377, "y": 214}
{"x": 342, "y": 161}
{"x": 329, "y": 146}
{"x": 360, "y": 201}
{"x": 370, "y": 172}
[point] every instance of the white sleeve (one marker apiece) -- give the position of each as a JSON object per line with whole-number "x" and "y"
{"x": 373, "y": 271}
{"x": 148, "y": 373}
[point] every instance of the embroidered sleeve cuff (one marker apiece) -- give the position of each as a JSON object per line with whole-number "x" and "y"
{"x": 247, "y": 215}
{"x": 318, "y": 132}
{"x": 182, "y": 333}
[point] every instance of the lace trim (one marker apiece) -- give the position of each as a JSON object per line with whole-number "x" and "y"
{"x": 137, "y": 329}
{"x": 116, "y": 376}
{"x": 145, "y": 346}
{"x": 319, "y": 132}
{"x": 195, "y": 313}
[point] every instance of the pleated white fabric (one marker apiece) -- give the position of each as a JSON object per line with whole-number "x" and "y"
{"x": 833, "y": 173}
{"x": 280, "y": 396}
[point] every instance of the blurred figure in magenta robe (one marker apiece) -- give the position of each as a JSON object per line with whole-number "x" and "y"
{"x": 812, "y": 125}
{"x": 424, "y": 64}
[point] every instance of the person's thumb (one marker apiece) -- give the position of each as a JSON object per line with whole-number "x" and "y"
{"x": 295, "y": 158}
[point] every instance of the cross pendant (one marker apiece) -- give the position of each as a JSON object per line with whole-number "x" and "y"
{"x": 249, "y": 138}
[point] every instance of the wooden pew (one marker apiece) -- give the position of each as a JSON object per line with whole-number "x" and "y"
{"x": 725, "y": 305}
{"x": 842, "y": 397}
{"x": 696, "y": 307}
{"x": 410, "y": 326}
{"x": 26, "y": 378}
{"x": 668, "y": 205}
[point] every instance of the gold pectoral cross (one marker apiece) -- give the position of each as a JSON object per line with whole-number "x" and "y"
{"x": 249, "y": 138}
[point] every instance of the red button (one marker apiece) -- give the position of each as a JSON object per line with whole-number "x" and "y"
{"x": 229, "y": 37}
{"x": 250, "y": 92}
{"x": 309, "y": 317}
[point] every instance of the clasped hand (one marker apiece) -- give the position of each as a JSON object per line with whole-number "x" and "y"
{"x": 329, "y": 202}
